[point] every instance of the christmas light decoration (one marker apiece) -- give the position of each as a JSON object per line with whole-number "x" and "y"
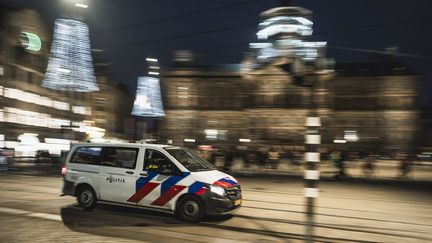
{"x": 148, "y": 101}
{"x": 70, "y": 67}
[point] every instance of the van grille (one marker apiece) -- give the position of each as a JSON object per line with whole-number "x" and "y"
{"x": 234, "y": 192}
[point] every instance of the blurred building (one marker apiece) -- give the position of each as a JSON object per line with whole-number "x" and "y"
{"x": 369, "y": 105}
{"x": 29, "y": 113}
{"x": 111, "y": 108}
{"x": 208, "y": 105}
{"x": 376, "y": 105}
{"x": 264, "y": 100}
{"x": 203, "y": 104}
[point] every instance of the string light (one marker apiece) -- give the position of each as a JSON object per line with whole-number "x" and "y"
{"x": 70, "y": 67}
{"x": 148, "y": 101}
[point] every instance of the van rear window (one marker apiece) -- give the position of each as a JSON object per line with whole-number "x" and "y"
{"x": 87, "y": 155}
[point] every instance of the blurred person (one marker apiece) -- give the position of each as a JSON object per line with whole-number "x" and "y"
{"x": 404, "y": 166}
{"x": 369, "y": 165}
{"x": 273, "y": 158}
{"x": 214, "y": 153}
{"x": 229, "y": 156}
{"x": 262, "y": 158}
{"x": 335, "y": 158}
{"x": 246, "y": 158}
{"x": 340, "y": 160}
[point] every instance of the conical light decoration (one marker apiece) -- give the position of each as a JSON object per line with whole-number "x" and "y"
{"x": 70, "y": 66}
{"x": 148, "y": 101}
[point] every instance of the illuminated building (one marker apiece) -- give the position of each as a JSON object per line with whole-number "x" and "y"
{"x": 369, "y": 105}
{"x": 29, "y": 112}
{"x": 110, "y": 107}
{"x": 258, "y": 104}
{"x": 379, "y": 101}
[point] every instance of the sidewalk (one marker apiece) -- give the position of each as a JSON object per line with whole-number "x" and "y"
{"x": 384, "y": 169}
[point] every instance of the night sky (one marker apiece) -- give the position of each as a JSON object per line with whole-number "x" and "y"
{"x": 130, "y": 30}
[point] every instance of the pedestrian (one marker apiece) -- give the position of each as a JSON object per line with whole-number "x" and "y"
{"x": 273, "y": 158}
{"x": 369, "y": 166}
{"x": 341, "y": 157}
{"x": 229, "y": 154}
{"x": 404, "y": 166}
{"x": 262, "y": 158}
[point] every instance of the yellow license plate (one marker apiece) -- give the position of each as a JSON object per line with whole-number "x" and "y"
{"x": 237, "y": 202}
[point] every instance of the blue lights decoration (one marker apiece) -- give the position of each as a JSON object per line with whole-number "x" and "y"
{"x": 148, "y": 101}
{"x": 70, "y": 66}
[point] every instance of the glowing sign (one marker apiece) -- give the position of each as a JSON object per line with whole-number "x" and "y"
{"x": 30, "y": 41}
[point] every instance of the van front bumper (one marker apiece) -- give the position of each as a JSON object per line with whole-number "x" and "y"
{"x": 220, "y": 205}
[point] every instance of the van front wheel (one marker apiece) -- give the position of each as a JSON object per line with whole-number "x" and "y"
{"x": 190, "y": 208}
{"x": 86, "y": 198}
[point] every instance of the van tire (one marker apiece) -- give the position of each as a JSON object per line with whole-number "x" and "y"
{"x": 190, "y": 209}
{"x": 86, "y": 198}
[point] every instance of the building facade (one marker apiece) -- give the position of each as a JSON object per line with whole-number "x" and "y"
{"x": 378, "y": 101}
{"x": 372, "y": 107}
{"x": 265, "y": 100}
{"x": 33, "y": 117}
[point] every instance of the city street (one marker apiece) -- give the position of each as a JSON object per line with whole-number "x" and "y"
{"x": 31, "y": 209}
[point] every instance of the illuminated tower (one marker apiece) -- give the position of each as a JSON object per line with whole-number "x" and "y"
{"x": 70, "y": 66}
{"x": 283, "y": 32}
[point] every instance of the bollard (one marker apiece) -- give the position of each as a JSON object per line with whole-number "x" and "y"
{"x": 311, "y": 174}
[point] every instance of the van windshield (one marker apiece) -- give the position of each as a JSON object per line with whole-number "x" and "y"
{"x": 190, "y": 160}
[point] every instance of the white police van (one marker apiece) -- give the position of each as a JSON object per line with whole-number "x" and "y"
{"x": 160, "y": 177}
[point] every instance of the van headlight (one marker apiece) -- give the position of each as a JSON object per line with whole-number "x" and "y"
{"x": 218, "y": 190}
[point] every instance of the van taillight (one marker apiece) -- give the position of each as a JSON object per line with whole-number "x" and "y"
{"x": 63, "y": 170}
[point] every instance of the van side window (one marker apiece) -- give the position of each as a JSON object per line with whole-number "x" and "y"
{"x": 87, "y": 155}
{"x": 120, "y": 157}
{"x": 156, "y": 161}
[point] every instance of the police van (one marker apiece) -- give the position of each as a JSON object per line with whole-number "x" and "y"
{"x": 160, "y": 177}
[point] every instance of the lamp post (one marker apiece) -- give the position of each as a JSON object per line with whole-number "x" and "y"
{"x": 282, "y": 33}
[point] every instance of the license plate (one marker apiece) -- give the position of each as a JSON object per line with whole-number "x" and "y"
{"x": 237, "y": 202}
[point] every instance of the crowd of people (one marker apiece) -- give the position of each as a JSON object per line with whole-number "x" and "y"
{"x": 340, "y": 160}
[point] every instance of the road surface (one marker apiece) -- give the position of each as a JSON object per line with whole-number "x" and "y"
{"x": 31, "y": 210}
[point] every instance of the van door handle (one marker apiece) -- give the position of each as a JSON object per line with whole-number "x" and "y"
{"x": 129, "y": 172}
{"x": 144, "y": 174}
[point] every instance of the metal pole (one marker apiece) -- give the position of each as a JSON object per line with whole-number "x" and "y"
{"x": 312, "y": 157}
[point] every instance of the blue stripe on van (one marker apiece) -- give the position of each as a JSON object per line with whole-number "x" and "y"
{"x": 171, "y": 181}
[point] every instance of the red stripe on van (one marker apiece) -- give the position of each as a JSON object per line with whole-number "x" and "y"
{"x": 222, "y": 184}
{"x": 142, "y": 192}
{"x": 200, "y": 191}
{"x": 168, "y": 195}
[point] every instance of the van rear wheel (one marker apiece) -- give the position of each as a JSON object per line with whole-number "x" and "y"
{"x": 86, "y": 198}
{"x": 190, "y": 209}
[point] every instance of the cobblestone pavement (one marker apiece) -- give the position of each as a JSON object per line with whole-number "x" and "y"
{"x": 31, "y": 210}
